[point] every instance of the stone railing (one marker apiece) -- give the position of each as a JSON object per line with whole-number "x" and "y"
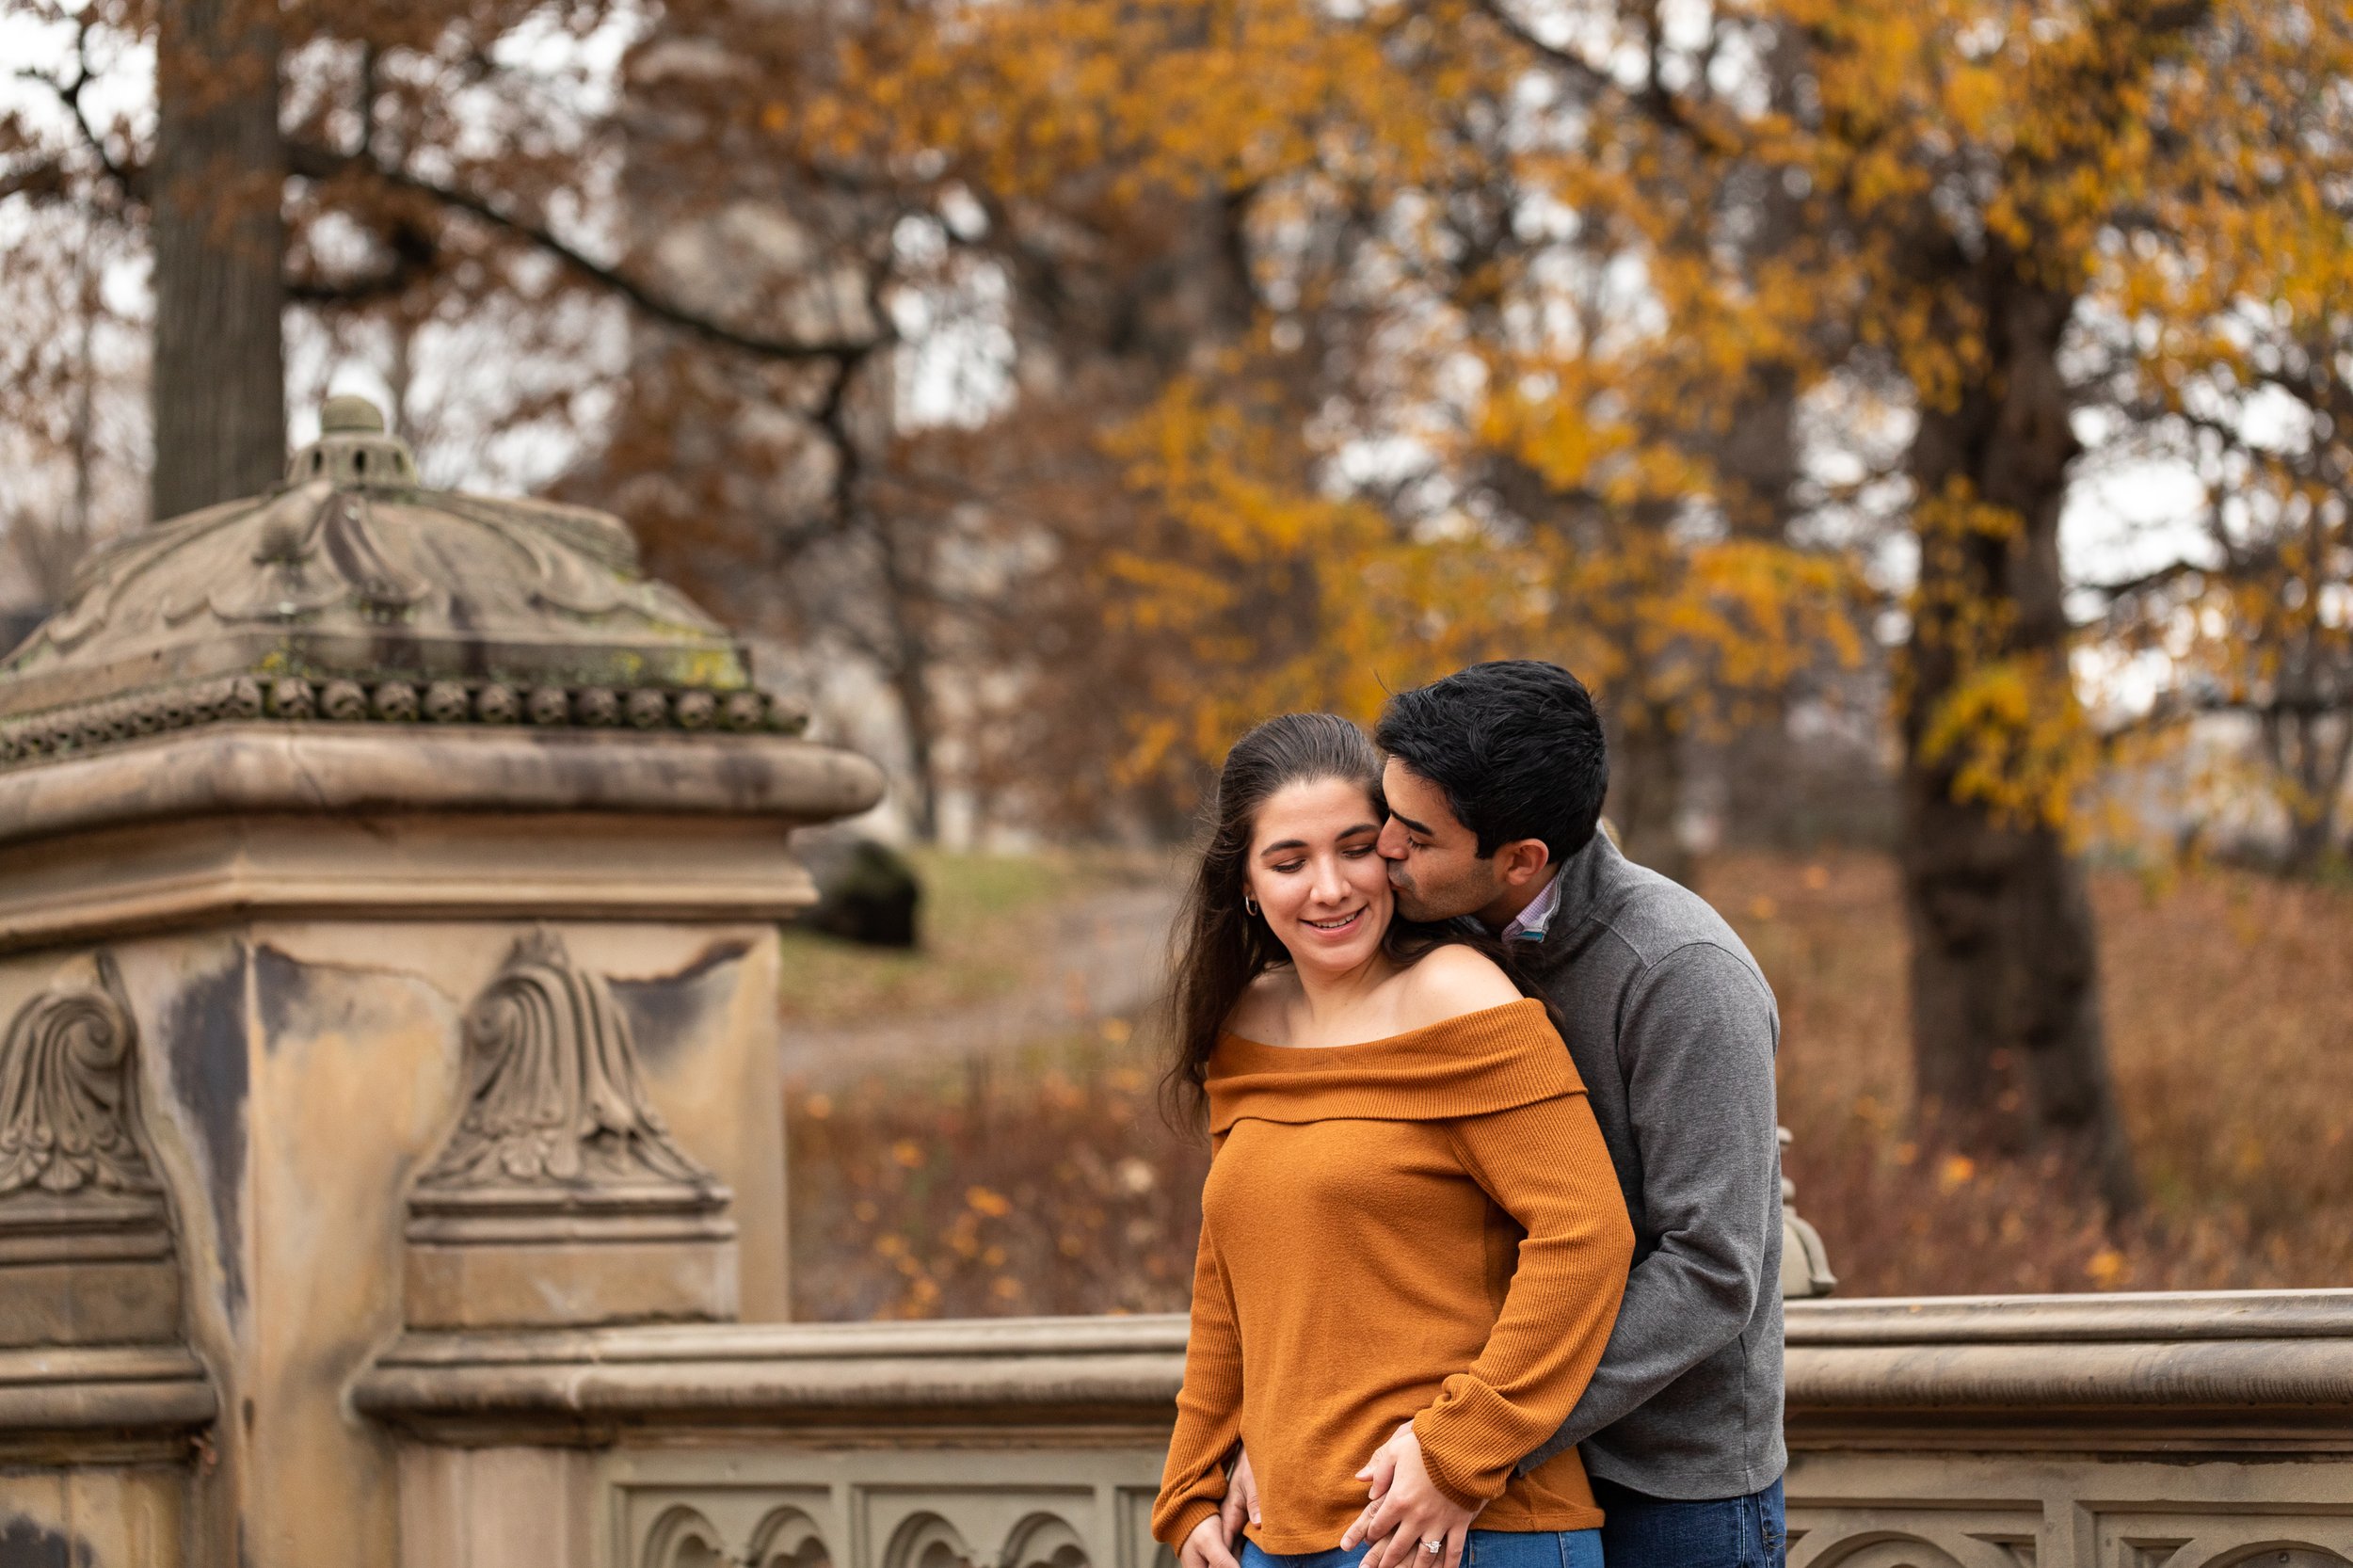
{"x": 1017, "y": 1444}
{"x": 2201, "y": 1431}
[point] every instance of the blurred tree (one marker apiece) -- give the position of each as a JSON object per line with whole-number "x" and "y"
{"x": 359, "y": 159}
{"x": 2231, "y": 339}
{"x": 1314, "y": 492}
{"x": 1641, "y": 316}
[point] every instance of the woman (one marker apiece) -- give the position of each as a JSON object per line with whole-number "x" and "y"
{"x": 1412, "y": 1239}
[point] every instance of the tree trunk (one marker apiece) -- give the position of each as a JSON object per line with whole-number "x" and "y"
{"x": 2311, "y": 750}
{"x": 1646, "y": 786}
{"x": 907, "y": 661}
{"x": 2006, "y": 1026}
{"x": 220, "y": 180}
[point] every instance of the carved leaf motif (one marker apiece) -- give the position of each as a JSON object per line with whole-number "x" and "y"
{"x": 305, "y": 565}
{"x": 555, "y": 1095}
{"x": 65, "y": 1107}
{"x": 581, "y": 562}
{"x": 112, "y": 571}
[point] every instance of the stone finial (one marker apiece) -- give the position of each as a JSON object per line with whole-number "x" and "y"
{"x": 346, "y": 414}
{"x": 1804, "y": 1263}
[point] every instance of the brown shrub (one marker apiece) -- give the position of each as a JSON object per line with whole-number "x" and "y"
{"x": 1044, "y": 1182}
{"x": 2229, "y": 1001}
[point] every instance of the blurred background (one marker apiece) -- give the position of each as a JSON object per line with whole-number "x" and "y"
{"x": 1926, "y": 424}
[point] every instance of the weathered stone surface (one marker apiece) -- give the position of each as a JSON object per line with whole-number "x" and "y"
{"x": 114, "y": 1396}
{"x": 103, "y": 1515}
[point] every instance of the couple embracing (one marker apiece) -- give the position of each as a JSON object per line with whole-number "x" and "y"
{"x": 1490, "y": 1247}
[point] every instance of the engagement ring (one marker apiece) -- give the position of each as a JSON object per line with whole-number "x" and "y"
{"x": 1433, "y": 1548}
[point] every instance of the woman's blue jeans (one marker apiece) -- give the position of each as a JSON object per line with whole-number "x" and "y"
{"x": 1483, "y": 1549}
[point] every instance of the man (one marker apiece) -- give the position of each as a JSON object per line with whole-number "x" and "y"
{"x": 1494, "y": 778}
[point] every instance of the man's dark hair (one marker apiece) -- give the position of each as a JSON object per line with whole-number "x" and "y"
{"x": 1515, "y": 745}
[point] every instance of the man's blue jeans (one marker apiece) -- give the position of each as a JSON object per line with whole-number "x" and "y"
{"x": 1668, "y": 1532}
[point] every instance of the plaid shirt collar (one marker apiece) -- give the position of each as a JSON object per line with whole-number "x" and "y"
{"x": 1531, "y": 924}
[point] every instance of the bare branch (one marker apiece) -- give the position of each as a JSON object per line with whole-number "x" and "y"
{"x": 2125, "y": 588}
{"x": 322, "y": 163}
{"x": 1654, "y": 101}
{"x": 130, "y": 179}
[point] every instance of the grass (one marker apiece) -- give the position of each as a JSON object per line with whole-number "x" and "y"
{"x": 980, "y": 924}
{"x": 1042, "y": 1180}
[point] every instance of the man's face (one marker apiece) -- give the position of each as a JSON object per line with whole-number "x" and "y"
{"x": 1434, "y": 864}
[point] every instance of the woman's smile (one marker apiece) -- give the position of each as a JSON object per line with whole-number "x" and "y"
{"x": 1336, "y": 925}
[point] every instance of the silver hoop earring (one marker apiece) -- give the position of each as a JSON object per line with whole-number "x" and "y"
{"x": 1250, "y": 903}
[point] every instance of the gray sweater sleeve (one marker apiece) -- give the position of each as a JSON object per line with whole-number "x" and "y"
{"x": 1696, "y": 1042}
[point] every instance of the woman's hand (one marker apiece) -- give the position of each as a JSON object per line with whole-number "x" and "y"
{"x": 1242, "y": 1498}
{"x": 1208, "y": 1546}
{"x": 1406, "y": 1510}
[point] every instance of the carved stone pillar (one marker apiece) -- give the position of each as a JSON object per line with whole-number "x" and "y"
{"x": 388, "y": 888}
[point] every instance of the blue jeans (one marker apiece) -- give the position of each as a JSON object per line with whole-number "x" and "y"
{"x": 1668, "y": 1532}
{"x": 1483, "y": 1549}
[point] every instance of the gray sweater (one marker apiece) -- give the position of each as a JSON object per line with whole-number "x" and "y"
{"x": 1674, "y": 1030}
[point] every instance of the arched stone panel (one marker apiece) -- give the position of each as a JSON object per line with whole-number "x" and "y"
{"x": 682, "y": 1538}
{"x": 1044, "y": 1540}
{"x": 2279, "y": 1554}
{"x": 928, "y": 1541}
{"x": 1886, "y": 1549}
{"x": 789, "y": 1538}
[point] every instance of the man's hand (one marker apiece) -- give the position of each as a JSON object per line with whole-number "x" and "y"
{"x": 1242, "y": 1498}
{"x": 1206, "y": 1548}
{"x": 1406, "y": 1510}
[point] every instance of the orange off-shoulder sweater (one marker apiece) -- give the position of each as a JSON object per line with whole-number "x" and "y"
{"x": 1424, "y": 1227}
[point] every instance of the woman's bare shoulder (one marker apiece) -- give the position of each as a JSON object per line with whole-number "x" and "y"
{"x": 1450, "y": 982}
{"x": 1259, "y": 1015}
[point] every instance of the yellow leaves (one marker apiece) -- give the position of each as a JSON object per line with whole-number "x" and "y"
{"x": 2015, "y": 740}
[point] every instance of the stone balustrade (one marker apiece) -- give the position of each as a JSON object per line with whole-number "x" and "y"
{"x": 2193, "y": 1431}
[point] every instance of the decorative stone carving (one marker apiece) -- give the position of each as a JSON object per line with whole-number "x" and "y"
{"x": 1044, "y": 1540}
{"x": 65, "y": 1121}
{"x": 928, "y": 1541}
{"x": 1883, "y": 1549}
{"x": 352, "y": 593}
{"x": 788, "y": 1538}
{"x": 560, "y": 1197}
{"x": 555, "y": 1097}
{"x": 86, "y": 1252}
{"x": 682, "y": 1538}
{"x": 1002, "y": 1500}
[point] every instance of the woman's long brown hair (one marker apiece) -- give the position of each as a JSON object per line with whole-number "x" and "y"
{"x": 1221, "y": 947}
